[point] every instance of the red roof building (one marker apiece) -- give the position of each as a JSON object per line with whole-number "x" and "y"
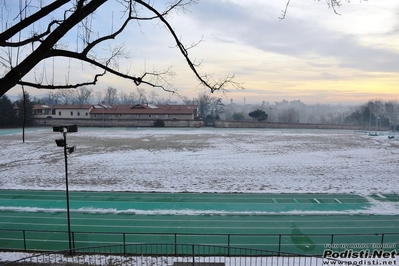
{"x": 104, "y": 111}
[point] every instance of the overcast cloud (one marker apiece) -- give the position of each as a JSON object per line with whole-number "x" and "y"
{"x": 313, "y": 54}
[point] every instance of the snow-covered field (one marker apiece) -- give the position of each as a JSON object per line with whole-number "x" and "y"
{"x": 203, "y": 160}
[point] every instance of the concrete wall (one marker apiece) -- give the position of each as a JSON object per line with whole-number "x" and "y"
{"x": 115, "y": 123}
{"x": 189, "y": 123}
{"x": 250, "y": 124}
{"x": 99, "y": 116}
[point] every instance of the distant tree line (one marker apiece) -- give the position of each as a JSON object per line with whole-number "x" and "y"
{"x": 372, "y": 112}
{"x": 110, "y": 95}
{"x": 209, "y": 106}
{"x": 12, "y": 113}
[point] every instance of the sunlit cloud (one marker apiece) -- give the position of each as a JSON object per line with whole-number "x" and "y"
{"x": 313, "y": 55}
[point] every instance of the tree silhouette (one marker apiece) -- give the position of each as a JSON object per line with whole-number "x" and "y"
{"x": 258, "y": 114}
{"x": 7, "y": 117}
{"x": 40, "y": 30}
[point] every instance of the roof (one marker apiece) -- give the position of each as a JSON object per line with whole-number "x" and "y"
{"x": 147, "y": 109}
{"x": 40, "y": 107}
{"x": 126, "y": 109}
{"x": 62, "y": 106}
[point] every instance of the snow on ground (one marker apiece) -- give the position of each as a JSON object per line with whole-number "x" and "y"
{"x": 202, "y": 160}
{"x": 205, "y": 160}
{"x": 170, "y": 260}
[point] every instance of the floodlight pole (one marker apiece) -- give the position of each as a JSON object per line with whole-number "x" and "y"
{"x": 63, "y": 143}
{"x": 67, "y": 192}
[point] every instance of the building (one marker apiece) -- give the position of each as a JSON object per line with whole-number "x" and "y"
{"x": 129, "y": 112}
{"x": 145, "y": 111}
{"x": 62, "y": 111}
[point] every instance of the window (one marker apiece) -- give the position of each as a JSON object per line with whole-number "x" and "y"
{"x": 87, "y": 113}
{"x": 78, "y": 113}
{"x": 53, "y": 112}
{"x": 59, "y": 113}
{"x": 149, "y": 115}
{"x": 71, "y": 113}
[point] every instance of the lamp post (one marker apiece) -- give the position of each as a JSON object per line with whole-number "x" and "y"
{"x": 62, "y": 143}
{"x": 271, "y": 117}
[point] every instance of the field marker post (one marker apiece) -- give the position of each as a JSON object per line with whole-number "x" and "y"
{"x": 124, "y": 243}
{"x": 73, "y": 240}
{"x": 23, "y": 233}
{"x": 279, "y": 244}
{"x": 175, "y": 244}
{"x": 228, "y": 245}
{"x": 382, "y": 240}
{"x": 193, "y": 252}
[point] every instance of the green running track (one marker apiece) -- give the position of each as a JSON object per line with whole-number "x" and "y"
{"x": 299, "y": 223}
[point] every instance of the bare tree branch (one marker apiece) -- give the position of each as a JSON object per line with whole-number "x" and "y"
{"x": 7, "y": 34}
{"x": 204, "y": 81}
{"x": 284, "y": 11}
{"x": 70, "y": 86}
{"x": 47, "y": 44}
{"x": 34, "y": 38}
{"x": 333, "y": 4}
{"x": 16, "y": 73}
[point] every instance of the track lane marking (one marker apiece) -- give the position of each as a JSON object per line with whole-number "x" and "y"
{"x": 337, "y": 200}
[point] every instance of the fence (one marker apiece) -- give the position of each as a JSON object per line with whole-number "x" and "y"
{"x": 311, "y": 244}
{"x": 169, "y": 254}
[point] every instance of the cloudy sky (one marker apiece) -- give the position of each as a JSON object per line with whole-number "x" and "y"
{"x": 313, "y": 55}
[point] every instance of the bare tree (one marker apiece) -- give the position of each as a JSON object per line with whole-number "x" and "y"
{"x": 82, "y": 95}
{"x": 391, "y": 109}
{"x": 65, "y": 96}
{"x": 186, "y": 100}
{"x": 217, "y": 107}
{"x": 40, "y": 31}
{"x": 111, "y": 95}
{"x": 204, "y": 102}
{"x": 153, "y": 97}
{"x": 99, "y": 96}
{"x": 52, "y": 97}
{"x": 288, "y": 115}
{"x": 141, "y": 95}
{"x": 125, "y": 98}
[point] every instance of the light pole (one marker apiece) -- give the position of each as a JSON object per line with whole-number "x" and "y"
{"x": 271, "y": 117}
{"x": 62, "y": 143}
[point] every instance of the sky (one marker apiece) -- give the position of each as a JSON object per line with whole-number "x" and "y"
{"x": 313, "y": 55}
